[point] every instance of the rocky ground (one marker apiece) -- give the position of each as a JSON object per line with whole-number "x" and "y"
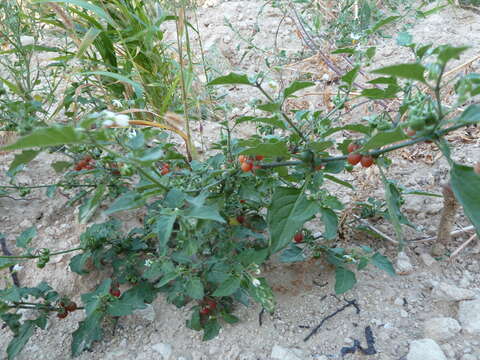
{"x": 430, "y": 311}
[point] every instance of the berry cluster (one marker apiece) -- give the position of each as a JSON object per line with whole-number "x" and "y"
{"x": 354, "y": 157}
{"x": 208, "y": 305}
{"x": 165, "y": 169}
{"x": 247, "y": 163}
{"x": 84, "y": 164}
{"x": 66, "y": 307}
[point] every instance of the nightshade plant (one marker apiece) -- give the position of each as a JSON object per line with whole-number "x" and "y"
{"x": 210, "y": 224}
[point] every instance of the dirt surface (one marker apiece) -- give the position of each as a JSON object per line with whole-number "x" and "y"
{"x": 398, "y": 310}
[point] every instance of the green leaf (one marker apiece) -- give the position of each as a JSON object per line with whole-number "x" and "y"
{"x": 26, "y": 236}
{"x": 5, "y": 262}
{"x": 231, "y": 79}
{"x": 296, "y": 86}
{"x": 384, "y": 138}
{"x": 471, "y": 115}
{"x": 94, "y": 300}
{"x": 85, "y": 5}
{"x": 330, "y": 220}
{"x": 163, "y": 227}
{"x": 465, "y": 185}
{"x": 51, "y": 136}
{"x": 60, "y": 166}
{"x": 89, "y": 330}
{"x": 228, "y": 287}
{"x": 78, "y": 262}
{"x": 338, "y": 181}
{"x": 205, "y": 213}
{"x": 133, "y": 299}
{"x": 16, "y": 345}
{"x": 270, "y": 107}
{"x": 22, "y": 159}
{"x": 447, "y": 53}
{"x": 357, "y": 128}
{"x": 344, "y": 280}
{"x": 263, "y": 294}
{"x": 273, "y": 121}
{"x": 211, "y": 329}
{"x": 136, "y": 86}
{"x": 287, "y": 213}
{"x": 404, "y": 39}
{"x": 383, "y": 22}
{"x": 91, "y": 205}
{"x": 194, "y": 288}
{"x": 87, "y": 40}
{"x": 344, "y": 51}
{"x": 269, "y": 150}
{"x": 383, "y": 263}
{"x": 166, "y": 279}
{"x": 393, "y": 206}
{"x": 291, "y": 254}
{"x": 127, "y": 201}
{"x": 406, "y": 71}
{"x": 350, "y": 76}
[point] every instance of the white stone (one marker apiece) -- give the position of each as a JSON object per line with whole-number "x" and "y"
{"x": 469, "y": 316}
{"x": 165, "y": 350}
{"x": 403, "y": 264}
{"x": 425, "y": 349}
{"x": 428, "y": 259}
{"x": 447, "y": 292}
{"x": 27, "y": 40}
{"x": 441, "y": 328}
{"x": 148, "y": 313}
{"x": 281, "y": 353}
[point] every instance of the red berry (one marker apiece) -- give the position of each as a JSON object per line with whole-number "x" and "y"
{"x": 242, "y": 201}
{"x": 242, "y": 158}
{"x": 87, "y": 158}
{"x": 366, "y": 161}
{"x": 353, "y": 147}
{"x": 204, "y": 311}
{"x": 71, "y": 307}
{"x": 211, "y": 304}
{"x": 259, "y": 157}
{"x": 247, "y": 166}
{"x": 62, "y": 314}
{"x": 476, "y": 168}
{"x": 298, "y": 238}
{"x": 319, "y": 167}
{"x": 354, "y": 158}
{"x": 115, "y": 292}
{"x": 165, "y": 171}
{"x": 241, "y": 219}
{"x": 410, "y": 132}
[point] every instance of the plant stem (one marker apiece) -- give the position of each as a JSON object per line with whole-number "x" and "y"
{"x": 285, "y": 117}
{"x": 374, "y": 153}
{"x": 37, "y": 256}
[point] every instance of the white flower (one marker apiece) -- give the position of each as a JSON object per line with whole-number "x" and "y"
{"x": 116, "y": 103}
{"x": 349, "y": 258}
{"x": 258, "y": 271}
{"x": 122, "y": 120}
{"x": 355, "y": 36}
{"x": 108, "y": 123}
{"x": 148, "y": 263}
{"x": 17, "y": 267}
{"x": 131, "y": 134}
{"x": 256, "y": 282}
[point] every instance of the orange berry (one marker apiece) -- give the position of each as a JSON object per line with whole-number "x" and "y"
{"x": 242, "y": 158}
{"x": 366, "y": 161}
{"x": 354, "y": 158}
{"x": 247, "y": 166}
{"x": 165, "y": 171}
{"x": 352, "y": 147}
{"x": 259, "y": 157}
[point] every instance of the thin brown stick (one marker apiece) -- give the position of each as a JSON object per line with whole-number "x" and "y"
{"x": 461, "y": 247}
